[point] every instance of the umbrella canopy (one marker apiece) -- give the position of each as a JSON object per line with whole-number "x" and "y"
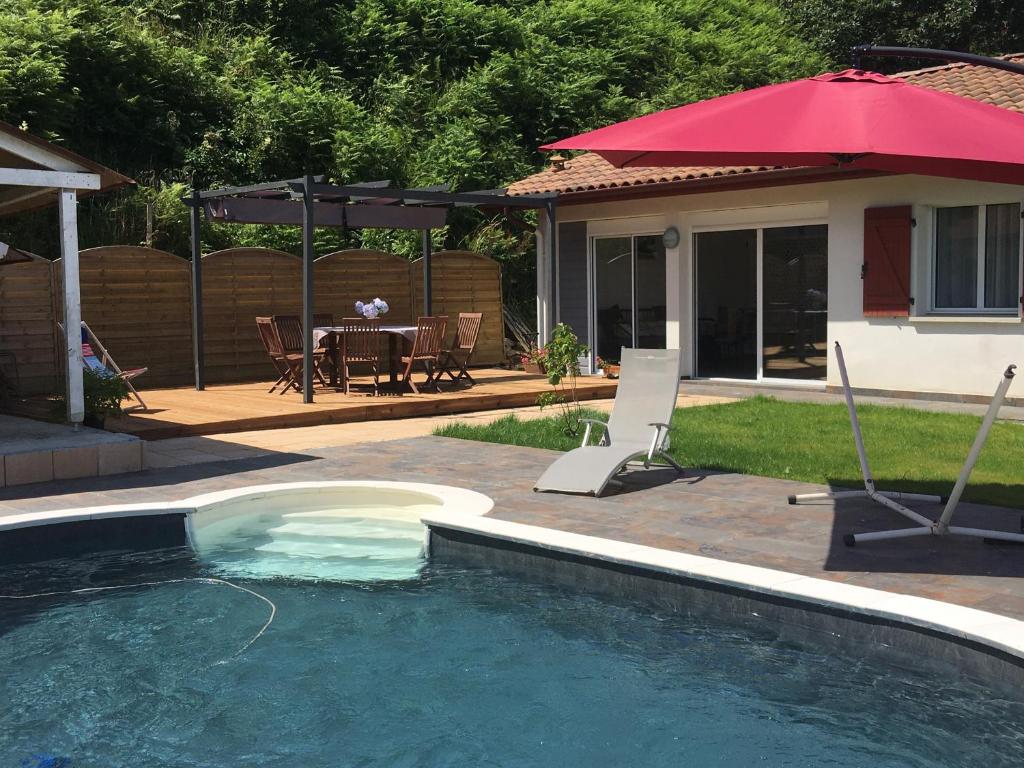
{"x": 852, "y": 119}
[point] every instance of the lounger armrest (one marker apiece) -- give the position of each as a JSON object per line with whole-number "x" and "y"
{"x": 590, "y": 425}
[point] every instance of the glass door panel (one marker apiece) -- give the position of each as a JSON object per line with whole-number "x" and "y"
{"x": 795, "y": 300}
{"x": 650, "y": 292}
{"x": 726, "y": 293}
{"x": 613, "y": 296}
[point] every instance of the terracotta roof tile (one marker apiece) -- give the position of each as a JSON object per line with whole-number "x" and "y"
{"x": 589, "y": 172}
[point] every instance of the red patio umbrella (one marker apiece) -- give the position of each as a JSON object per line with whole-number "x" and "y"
{"x": 852, "y": 119}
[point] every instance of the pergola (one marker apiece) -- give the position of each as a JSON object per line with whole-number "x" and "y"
{"x": 35, "y": 173}
{"x": 309, "y": 202}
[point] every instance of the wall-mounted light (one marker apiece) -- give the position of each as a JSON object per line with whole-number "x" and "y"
{"x": 670, "y": 238}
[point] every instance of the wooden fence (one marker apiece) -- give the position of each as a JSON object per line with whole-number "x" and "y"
{"x": 138, "y": 302}
{"x": 464, "y": 281}
{"x": 28, "y": 326}
{"x": 240, "y": 284}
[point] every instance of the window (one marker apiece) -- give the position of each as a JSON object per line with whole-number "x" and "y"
{"x": 629, "y": 294}
{"x": 977, "y": 258}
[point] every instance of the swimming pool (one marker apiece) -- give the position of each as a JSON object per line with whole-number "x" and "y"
{"x": 452, "y": 666}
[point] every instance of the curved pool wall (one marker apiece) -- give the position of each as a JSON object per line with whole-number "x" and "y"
{"x": 830, "y": 614}
{"x": 984, "y": 645}
{"x": 160, "y": 524}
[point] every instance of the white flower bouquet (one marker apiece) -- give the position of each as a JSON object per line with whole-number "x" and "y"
{"x": 372, "y": 309}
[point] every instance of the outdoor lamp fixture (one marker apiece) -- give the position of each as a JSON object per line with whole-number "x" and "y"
{"x": 670, "y": 238}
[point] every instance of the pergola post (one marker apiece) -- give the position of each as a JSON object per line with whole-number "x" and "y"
{"x": 67, "y": 202}
{"x": 553, "y": 256}
{"x": 428, "y": 287}
{"x": 198, "y": 361}
{"x": 308, "y": 225}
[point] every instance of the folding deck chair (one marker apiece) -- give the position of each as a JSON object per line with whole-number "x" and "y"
{"x": 925, "y": 525}
{"x": 96, "y": 358}
{"x": 637, "y": 428}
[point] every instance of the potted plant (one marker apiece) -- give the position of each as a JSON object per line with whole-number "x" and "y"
{"x": 103, "y": 395}
{"x": 610, "y": 368}
{"x": 534, "y": 360}
{"x": 562, "y": 360}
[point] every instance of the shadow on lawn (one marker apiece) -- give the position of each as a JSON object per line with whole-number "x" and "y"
{"x": 948, "y": 555}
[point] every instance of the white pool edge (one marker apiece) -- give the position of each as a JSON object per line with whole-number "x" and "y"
{"x": 989, "y": 630}
{"x": 469, "y": 503}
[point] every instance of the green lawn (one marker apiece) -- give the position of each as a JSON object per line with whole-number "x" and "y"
{"x": 909, "y": 450}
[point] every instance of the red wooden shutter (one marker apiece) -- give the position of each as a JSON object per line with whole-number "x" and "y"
{"x": 886, "y": 269}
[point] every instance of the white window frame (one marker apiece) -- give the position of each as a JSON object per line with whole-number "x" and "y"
{"x": 933, "y": 250}
{"x": 759, "y": 225}
{"x": 631, "y": 234}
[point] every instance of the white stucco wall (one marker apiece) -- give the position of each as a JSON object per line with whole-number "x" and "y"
{"x": 924, "y": 353}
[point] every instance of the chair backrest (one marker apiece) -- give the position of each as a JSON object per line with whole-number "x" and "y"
{"x": 362, "y": 338}
{"x": 323, "y": 320}
{"x": 265, "y": 327}
{"x": 429, "y": 336}
{"x": 288, "y": 330}
{"x": 647, "y": 391}
{"x": 94, "y": 356}
{"x": 467, "y": 331}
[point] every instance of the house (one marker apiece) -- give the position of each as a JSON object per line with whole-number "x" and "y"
{"x": 757, "y": 271}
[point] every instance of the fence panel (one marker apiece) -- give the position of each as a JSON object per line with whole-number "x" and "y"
{"x": 28, "y": 326}
{"x": 138, "y": 302}
{"x": 464, "y": 281}
{"x": 239, "y": 285}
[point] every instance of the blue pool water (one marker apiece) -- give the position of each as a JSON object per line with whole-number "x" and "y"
{"x": 453, "y": 667}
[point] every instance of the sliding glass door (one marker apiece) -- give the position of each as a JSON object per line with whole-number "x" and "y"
{"x": 629, "y": 294}
{"x": 761, "y": 302}
{"x": 726, "y": 303}
{"x": 795, "y": 268}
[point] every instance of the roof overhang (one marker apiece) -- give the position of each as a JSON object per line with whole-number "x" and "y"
{"x": 32, "y": 170}
{"x": 775, "y": 177}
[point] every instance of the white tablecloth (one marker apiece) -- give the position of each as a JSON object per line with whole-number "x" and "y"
{"x": 408, "y": 331}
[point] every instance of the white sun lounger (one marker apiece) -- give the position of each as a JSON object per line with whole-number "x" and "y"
{"x": 925, "y": 526}
{"x": 638, "y": 426}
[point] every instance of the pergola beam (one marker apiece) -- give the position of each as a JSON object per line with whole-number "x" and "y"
{"x": 438, "y": 197}
{"x": 30, "y": 177}
{"x": 248, "y": 210}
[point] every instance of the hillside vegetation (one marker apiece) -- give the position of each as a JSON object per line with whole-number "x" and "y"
{"x": 210, "y": 92}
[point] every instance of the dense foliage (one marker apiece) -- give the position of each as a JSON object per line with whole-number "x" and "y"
{"x": 978, "y": 26}
{"x": 204, "y": 92}
{"x": 177, "y": 92}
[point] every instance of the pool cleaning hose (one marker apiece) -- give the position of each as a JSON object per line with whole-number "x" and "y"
{"x": 199, "y": 580}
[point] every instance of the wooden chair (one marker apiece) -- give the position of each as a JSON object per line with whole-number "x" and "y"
{"x": 265, "y": 328}
{"x": 456, "y": 357}
{"x": 361, "y": 344}
{"x": 288, "y": 330}
{"x": 324, "y": 320}
{"x": 426, "y": 348}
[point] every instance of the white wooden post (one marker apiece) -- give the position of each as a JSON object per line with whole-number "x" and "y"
{"x": 67, "y": 202}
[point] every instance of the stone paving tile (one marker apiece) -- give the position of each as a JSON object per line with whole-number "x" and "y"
{"x": 722, "y": 515}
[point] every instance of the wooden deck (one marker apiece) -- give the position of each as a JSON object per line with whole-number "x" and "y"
{"x": 242, "y": 407}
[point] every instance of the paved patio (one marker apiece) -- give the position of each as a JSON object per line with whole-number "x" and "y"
{"x": 727, "y": 516}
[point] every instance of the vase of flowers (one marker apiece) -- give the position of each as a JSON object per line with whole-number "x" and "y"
{"x": 372, "y": 309}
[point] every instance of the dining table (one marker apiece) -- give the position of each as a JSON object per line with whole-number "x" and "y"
{"x": 335, "y": 337}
